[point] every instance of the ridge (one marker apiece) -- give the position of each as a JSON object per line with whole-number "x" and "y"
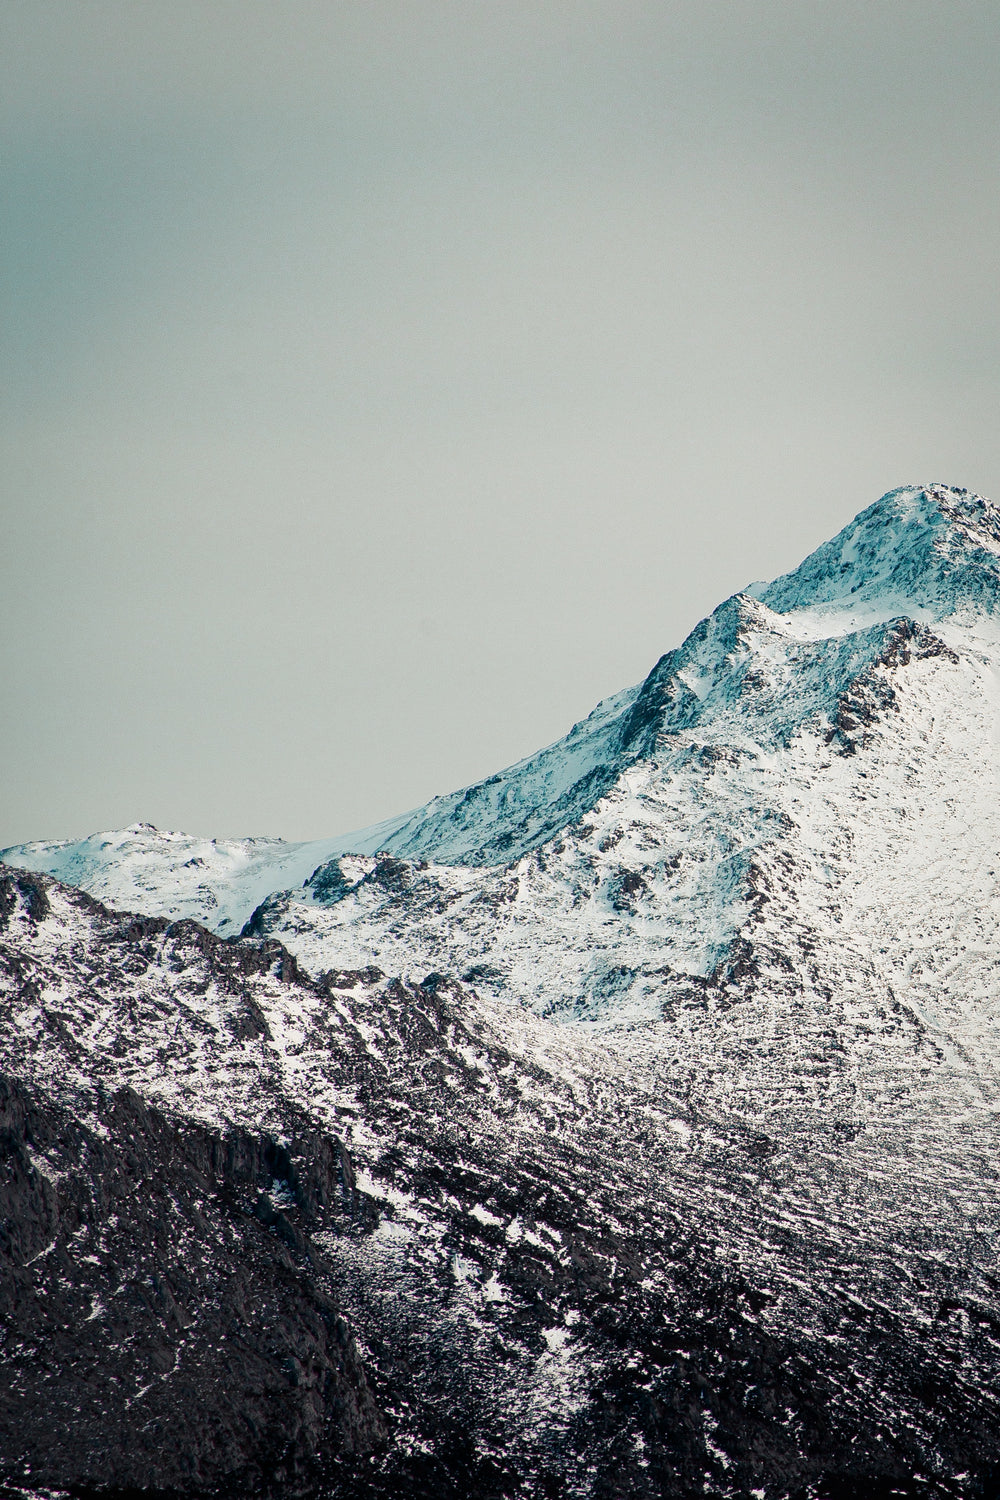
{"x": 917, "y": 573}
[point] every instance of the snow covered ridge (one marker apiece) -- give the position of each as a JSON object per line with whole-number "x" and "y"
{"x": 221, "y": 881}
{"x": 783, "y": 751}
{"x": 214, "y": 881}
{"x": 933, "y": 551}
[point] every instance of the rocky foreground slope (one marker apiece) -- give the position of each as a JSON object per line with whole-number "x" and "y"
{"x": 626, "y": 1125}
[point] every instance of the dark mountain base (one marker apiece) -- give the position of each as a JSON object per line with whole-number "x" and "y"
{"x": 164, "y": 1327}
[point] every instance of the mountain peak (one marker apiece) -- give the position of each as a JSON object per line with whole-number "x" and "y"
{"x": 911, "y": 576}
{"x": 927, "y": 550}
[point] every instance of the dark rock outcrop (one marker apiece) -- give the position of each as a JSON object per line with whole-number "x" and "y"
{"x": 167, "y": 1322}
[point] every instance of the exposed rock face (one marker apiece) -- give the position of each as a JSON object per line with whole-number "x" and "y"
{"x": 625, "y": 1126}
{"x": 165, "y": 1325}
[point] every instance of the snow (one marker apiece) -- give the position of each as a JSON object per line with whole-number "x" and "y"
{"x": 761, "y": 777}
{"x": 818, "y": 756}
{"x": 220, "y": 882}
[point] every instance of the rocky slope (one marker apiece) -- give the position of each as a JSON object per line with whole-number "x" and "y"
{"x": 349, "y": 1236}
{"x": 626, "y": 1125}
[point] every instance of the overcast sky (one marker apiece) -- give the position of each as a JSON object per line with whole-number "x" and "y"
{"x": 384, "y": 384}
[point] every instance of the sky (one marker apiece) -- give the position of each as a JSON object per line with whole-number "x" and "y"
{"x": 384, "y": 384}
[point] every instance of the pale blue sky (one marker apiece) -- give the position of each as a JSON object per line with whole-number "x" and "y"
{"x": 384, "y": 384}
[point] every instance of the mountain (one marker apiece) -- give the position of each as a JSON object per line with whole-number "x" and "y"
{"x": 641, "y": 851}
{"x": 221, "y": 881}
{"x": 624, "y": 1125}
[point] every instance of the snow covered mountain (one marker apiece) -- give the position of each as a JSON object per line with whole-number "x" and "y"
{"x": 221, "y": 881}
{"x": 777, "y": 759}
{"x": 625, "y": 1125}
